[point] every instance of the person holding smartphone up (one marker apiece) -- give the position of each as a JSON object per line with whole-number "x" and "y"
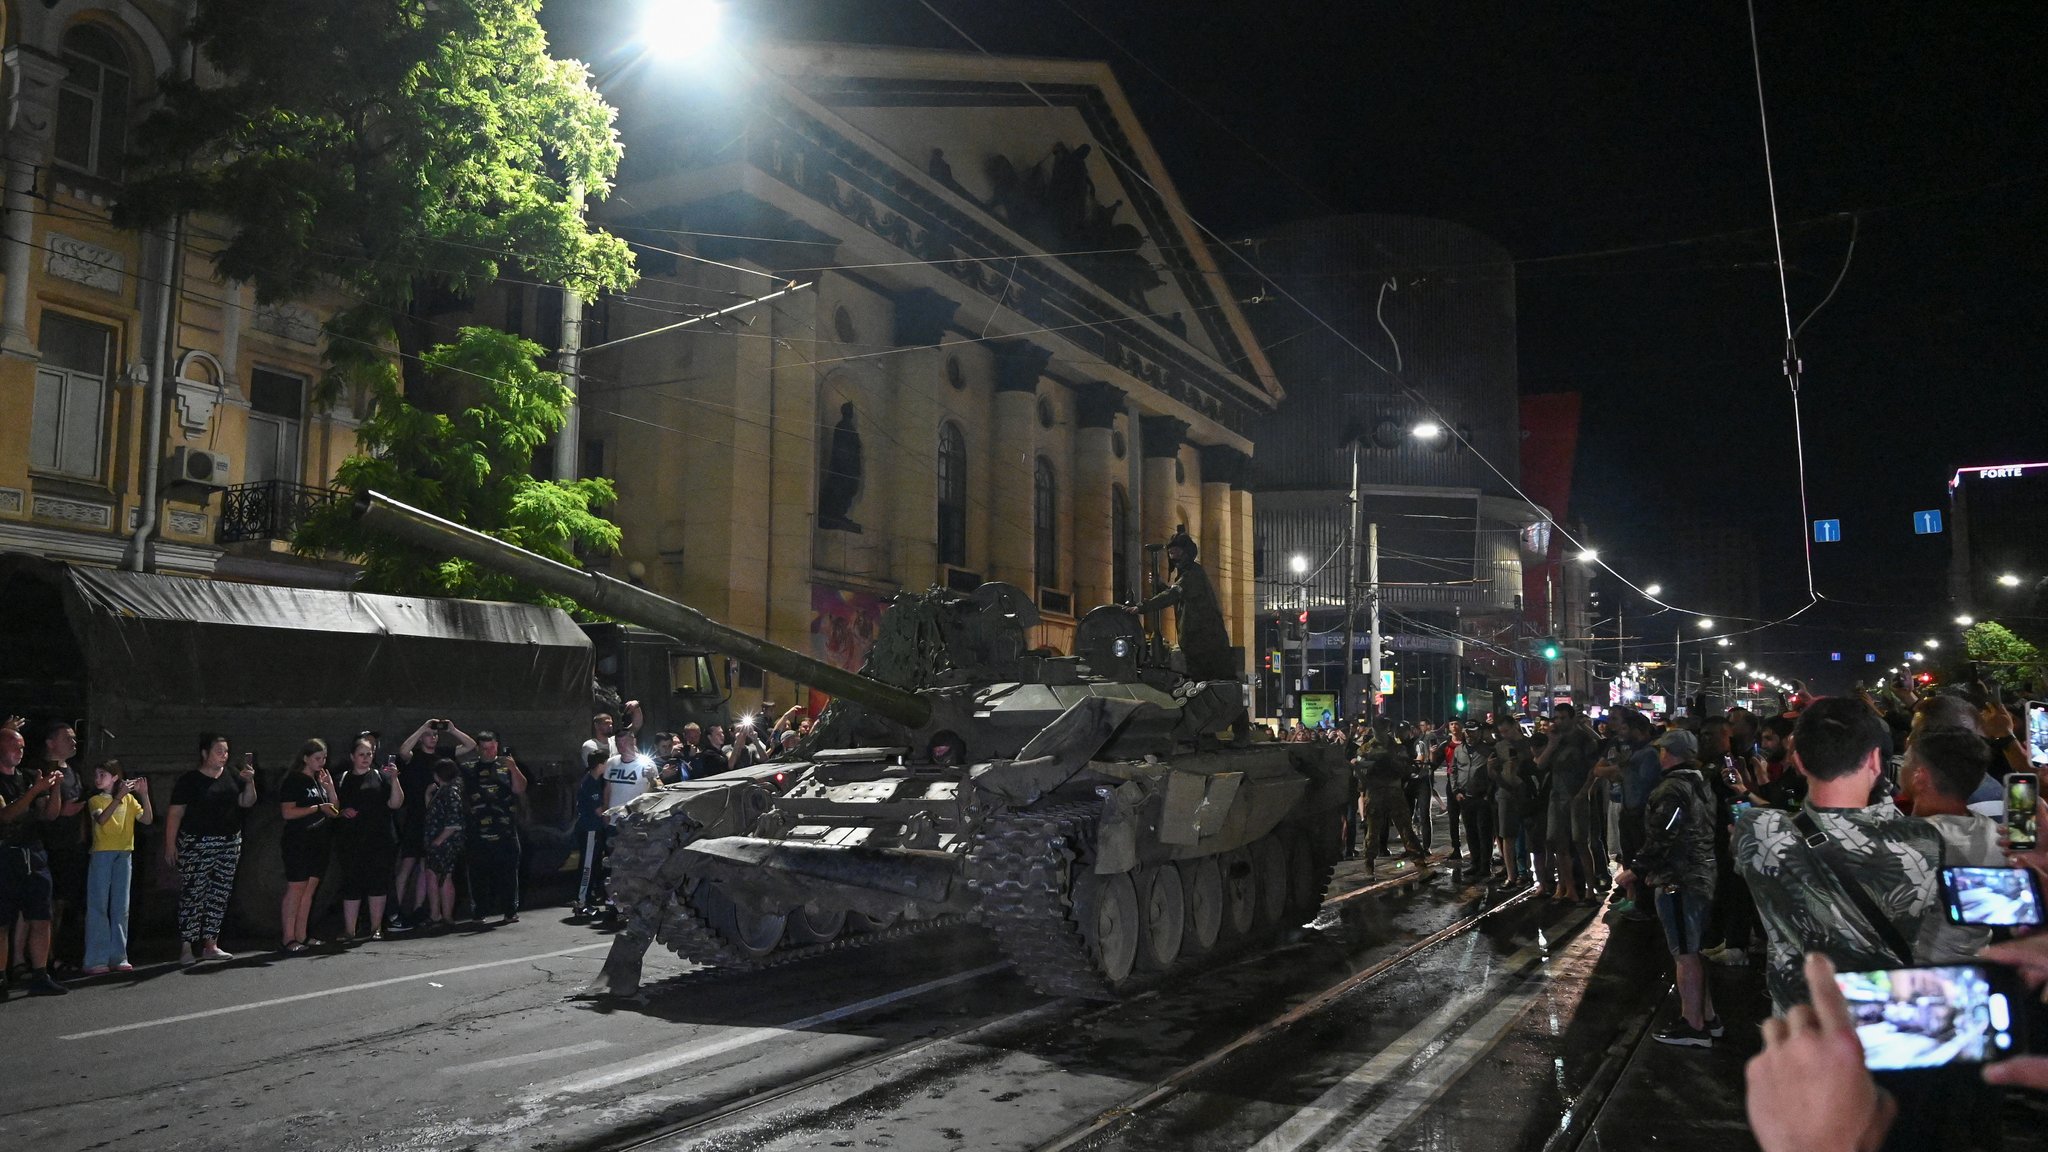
{"x": 203, "y": 843}
{"x": 370, "y": 796}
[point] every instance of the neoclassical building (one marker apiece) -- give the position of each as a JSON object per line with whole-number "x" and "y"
{"x": 997, "y": 347}
{"x": 157, "y": 418}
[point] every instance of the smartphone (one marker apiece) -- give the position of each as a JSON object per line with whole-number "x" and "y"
{"x": 1935, "y": 1015}
{"x": 2022, "y": 799}
{"x": 1992, "y": 897}
{"x": 2037, "y": 732}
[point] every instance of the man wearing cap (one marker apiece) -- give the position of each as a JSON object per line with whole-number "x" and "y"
{"x": 1204, "y": 642}
{"x": 1676, "y": 861}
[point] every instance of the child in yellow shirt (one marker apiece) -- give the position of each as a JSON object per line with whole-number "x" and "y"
{"x": 116, "y": 810}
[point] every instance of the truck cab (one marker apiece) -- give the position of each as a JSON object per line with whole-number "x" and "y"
{"x": 675, "y": 683}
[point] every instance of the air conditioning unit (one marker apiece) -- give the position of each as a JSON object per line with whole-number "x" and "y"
{"x": 199, "y": 468}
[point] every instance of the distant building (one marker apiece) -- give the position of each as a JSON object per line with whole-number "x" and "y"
{"x": 1998, "y": 540}
{"x": 1429, "y": 446}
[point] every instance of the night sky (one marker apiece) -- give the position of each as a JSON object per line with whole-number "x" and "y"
{"x": 1614, "y": 149}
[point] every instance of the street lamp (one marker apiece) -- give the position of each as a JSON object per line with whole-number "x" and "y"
{"x": 1298, "y": 563}
{"x": 1426, "y": 430}
{"x": 1706, "y": 625}
{"x": 1930, "y": 643}
{"x": 1965, "y": 621}
{"x": 1654, "y": 590}
{"x": 2010, "y": 580}
{"x": 1741, "y": 666}
{"x": 680, "y": 28}
{"x": 1588, "y": 555}
{"x": 1724, "y": 642}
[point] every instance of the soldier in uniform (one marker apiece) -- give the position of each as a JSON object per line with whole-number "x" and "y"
{"x": 1382, "y": 773}
{"x": 1204, "y": 642}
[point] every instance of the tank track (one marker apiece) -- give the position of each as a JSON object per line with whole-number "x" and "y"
{"x": 1020, "y": 867}
{"x": 684, "y": 930}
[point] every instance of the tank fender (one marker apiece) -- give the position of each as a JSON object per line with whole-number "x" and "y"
{"x": 1116, "y": 837}
{"x": 1059, "y": 750}
{"x": 1196, "y": 803}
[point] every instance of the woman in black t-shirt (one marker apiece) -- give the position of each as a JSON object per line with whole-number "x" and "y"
{"x": 368, "y": 836}
{"x": 306, "y": 800}
{"x": 203, "y": 843}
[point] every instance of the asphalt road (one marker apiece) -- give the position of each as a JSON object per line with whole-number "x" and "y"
{"x": 1484, "y": 1039}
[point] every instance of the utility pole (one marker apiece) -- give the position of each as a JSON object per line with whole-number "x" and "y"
{"x": 1677, "y": 668}
{"x": 1372, "y": 599}
{"x": 1351, "y": 697}
{"x": 568, "y": 362}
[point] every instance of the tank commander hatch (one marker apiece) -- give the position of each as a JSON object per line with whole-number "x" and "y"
{"x": 1204, "y": 642}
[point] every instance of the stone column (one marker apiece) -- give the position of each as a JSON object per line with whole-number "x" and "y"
{"x": 32, "y": 79}
{"x": 1161, "y": 437}
{"x": 1012, "y": 446}
{"x": 915, "y": 379}
{"x": 1224, "y": 551}
{"x": 1247, "y": 593}
{"x": 1096, "y": 469}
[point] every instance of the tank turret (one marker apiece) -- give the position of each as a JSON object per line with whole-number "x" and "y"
{"x": 1082, "y": 807}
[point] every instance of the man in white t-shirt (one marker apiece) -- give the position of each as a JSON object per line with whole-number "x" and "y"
{"x": 602, "y": 726}
{"x": 628, "y": 774}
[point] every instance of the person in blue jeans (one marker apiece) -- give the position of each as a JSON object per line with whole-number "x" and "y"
{"x": 118, "y": 807}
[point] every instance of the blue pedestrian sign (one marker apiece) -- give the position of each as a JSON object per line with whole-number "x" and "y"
{"x": 1835, "y": 656}
{"x": 1870, "y": 657}
{"x": 1827, "y": 531}
{"x": 1927, "y": 523}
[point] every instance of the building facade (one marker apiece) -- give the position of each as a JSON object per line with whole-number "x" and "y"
{"x": 161, "y": 420}
{"x": 995, "y": 348}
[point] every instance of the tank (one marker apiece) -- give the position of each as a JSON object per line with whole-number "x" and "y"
{"x": 1082, "y": 808}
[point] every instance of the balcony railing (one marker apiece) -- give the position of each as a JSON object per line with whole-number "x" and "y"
{"x": 270, "y": 509}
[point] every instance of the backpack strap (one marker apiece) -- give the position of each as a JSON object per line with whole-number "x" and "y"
{"x": 1816, "y": 841}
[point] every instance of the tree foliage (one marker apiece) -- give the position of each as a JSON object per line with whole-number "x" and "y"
{"x": 2006, "y": 659}
{"x": 398, "y": 151}
{"x": 469, "y": 465}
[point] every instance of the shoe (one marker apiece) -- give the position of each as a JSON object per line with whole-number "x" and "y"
{"x": 124, "y": 966}
{"x": 186, "y": 958}
{"x": 397, "y": 923}
{"x": 98, "y": 970}
{"x": 1624, "y": 906}
{"x": 1715, "y": 1028}
{"x": 510, "y": 918}
{"x": 1682, "y": 1035}
{"x": 215, "y": 953}
{"x": 293, "y": 947}
{"x": 43, "y": 984}
{"x": 315, "y": 942}
{"x": 377, "y": 934}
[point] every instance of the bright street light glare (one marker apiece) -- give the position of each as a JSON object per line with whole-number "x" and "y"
{"x": 680, "y": 28}
{"x": 1654, "y": 590}
{"x": 1724, "y": 641}
{"x": 1706, "y": 625}
{"x": 1917, "y": 658}
{"x": 1741, "y": 666}
{"x": 1931, "y": 644}
{"x": 1426, "y": 430}
{"x": 2010, "y": 580}
{"x": 1589, "y": 555}
{"x": 1965, "y": 621}
{"x": 1299, "y": 564}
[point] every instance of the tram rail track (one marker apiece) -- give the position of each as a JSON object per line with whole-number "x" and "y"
{"x": 1067, "y": 1012}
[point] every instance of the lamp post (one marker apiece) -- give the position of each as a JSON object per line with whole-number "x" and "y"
{"x": 1298, "y": 564}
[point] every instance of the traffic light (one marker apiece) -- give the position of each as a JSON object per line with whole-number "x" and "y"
{"x": 1303, "y": 618}
{"x": 1546, "y": 647}
{"x": 1550, "y": 651}
{"x": 1458, "y": 705}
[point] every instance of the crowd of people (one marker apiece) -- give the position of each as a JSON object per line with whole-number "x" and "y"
{"x": 401, "y": 829}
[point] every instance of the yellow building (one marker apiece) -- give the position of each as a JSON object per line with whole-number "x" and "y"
{"x": 987, "y": 293}
{"x": 156, "y": 417}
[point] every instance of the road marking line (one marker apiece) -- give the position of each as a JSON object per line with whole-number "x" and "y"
{"x": 529, "y": 1057}
{"x": 1304, "y": 1126}
{"x": 342, "y": 990}
{"x": 635, "y": 1069}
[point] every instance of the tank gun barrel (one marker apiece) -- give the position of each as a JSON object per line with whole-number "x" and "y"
{"x": 636, "y": 605}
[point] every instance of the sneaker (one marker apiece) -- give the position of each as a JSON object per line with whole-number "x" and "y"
{"x": 1624, "y": 906}
{"x": 397, "y": 923}
{"x": 124, "y": 966}
{"x": 215, "y": 953}
{"x": 98, "y": 970}
{"x": 510, "y": 918}
{"x": 1715, "y": 1028}
{"x": 1680, "y": 1034}
{"x": 185, "y": 956}
{"x": 42, "y": 984}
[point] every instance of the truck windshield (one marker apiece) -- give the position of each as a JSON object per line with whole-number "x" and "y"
{"x": 689, "y": 674}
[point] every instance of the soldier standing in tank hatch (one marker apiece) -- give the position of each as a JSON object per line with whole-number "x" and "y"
{"x": 1204, "y": 642}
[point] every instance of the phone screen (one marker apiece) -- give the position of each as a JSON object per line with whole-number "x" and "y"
{"x": 1992, "y": 897}
{"x": 2022, "y": 801}
{"x": 1928, "y": 1017}
{"x": 2037, "y": 732}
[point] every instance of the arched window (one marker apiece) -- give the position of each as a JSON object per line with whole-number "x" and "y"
{"x": 1120, "y": 588}
{"x": 1045, "y": 537}
{"x": 92, "y": 103}
{"x": 952, "y": 495}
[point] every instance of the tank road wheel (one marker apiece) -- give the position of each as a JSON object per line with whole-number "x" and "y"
{"x": 862, "y": 922}
{"x": 1107, "y": 909}
{"x": 752, "y": 932}
{"x": 1162, "y": 908}
{"x": 1201, "y": 883}
{"x": 1240, "y": 894}
{"x": 1269, "y": 878}
{"x": 807, "y": 927}
{"x": 1304, "y": 879}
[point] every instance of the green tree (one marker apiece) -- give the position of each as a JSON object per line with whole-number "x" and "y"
{"x": 400, "y": 152}
{"x": 471, "y": 466}
{"x": 2009, "y": 661}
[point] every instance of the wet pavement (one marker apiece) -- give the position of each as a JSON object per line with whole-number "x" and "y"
{"x": 1424, "y": 1014}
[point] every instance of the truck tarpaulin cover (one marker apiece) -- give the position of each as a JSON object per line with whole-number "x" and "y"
{"x": 167, "y": 656}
